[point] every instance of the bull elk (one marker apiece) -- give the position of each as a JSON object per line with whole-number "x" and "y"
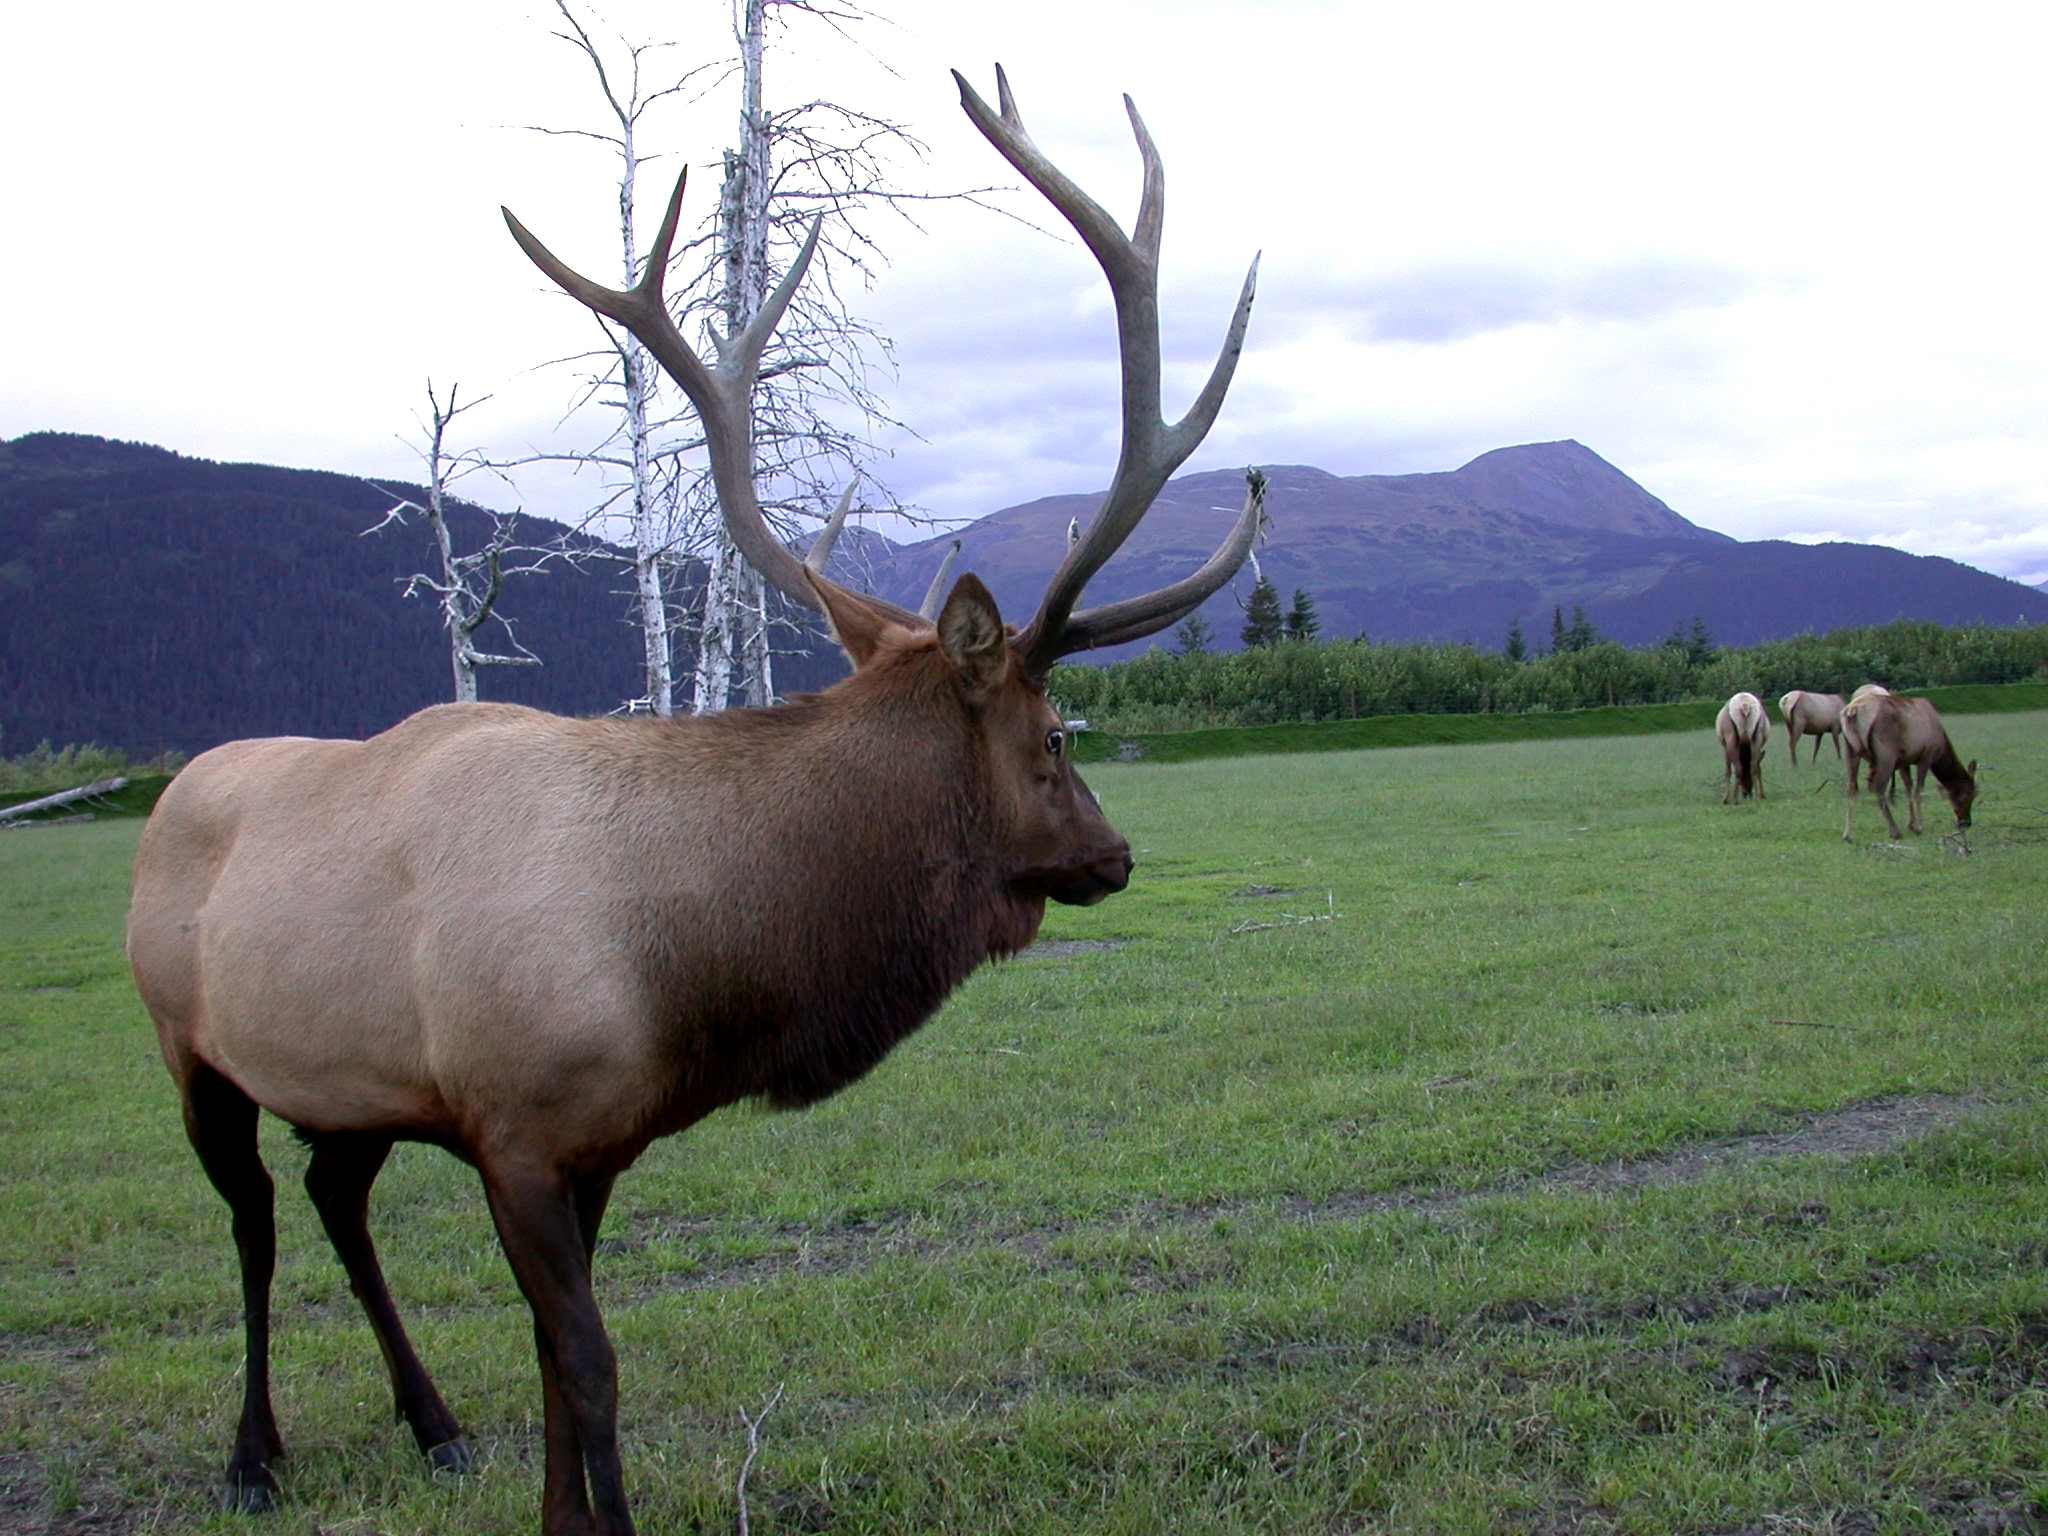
{"x": 541, "y": 943}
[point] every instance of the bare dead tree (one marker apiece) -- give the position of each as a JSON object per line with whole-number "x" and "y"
{"x": 815, "y": 163}
{"x": 816, "y": 405}
{"x": 468, "y": 585}
{"x": 633, "y": 449}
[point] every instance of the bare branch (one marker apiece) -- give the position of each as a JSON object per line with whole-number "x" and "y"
{"x": 753, "y": 1424}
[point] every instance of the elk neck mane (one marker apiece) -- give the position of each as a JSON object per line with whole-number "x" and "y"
{"x": 889, "y": 891}
{"x": 1947, "y": 765}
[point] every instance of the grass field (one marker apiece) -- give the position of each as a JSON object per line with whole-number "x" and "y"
{"x": 1340, "y": 1176}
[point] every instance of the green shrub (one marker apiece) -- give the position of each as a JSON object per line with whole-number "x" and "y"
{"x": 46, "y": 769}
{"x": 1353, "y": 679}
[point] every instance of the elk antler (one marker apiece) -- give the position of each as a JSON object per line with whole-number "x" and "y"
{"x": 722, "y": 395}
{"x": 1152, "y": 450}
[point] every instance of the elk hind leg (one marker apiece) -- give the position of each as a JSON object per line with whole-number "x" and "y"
{"x": 221, "y": 1121}
{"x": 1886, "y": 781}
{"x": 547, "y": 1222}
{"x": 339, "y": 1179}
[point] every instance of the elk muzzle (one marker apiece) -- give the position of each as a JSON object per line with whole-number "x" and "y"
{"x": 1100, "y": 872}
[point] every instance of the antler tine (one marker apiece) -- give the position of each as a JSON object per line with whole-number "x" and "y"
{"x": 821, "y": 547}
{"x": 641, "y": 308}
{"x": 935, "y": 594}
{"x": 1135, "y": 618}
{"x": 722, "y": 395}
{"x": 1152, "y": 449}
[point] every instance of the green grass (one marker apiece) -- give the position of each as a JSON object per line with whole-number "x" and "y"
{"x": 1419, "y": 730}
{"x": 1099, "y": 1249}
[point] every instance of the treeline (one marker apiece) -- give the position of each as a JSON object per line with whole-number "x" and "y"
{"x": 1351, "y": 679}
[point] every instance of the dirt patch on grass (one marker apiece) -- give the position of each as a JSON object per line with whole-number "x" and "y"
{"x": 784, "y": 1249}
{"x": 1066, "y": 949}
{"x": 34, "y": 1503}
{"x": 1876, "y": 1125}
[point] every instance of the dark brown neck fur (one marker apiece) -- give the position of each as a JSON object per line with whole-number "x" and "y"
{"x": 860, "y": 915}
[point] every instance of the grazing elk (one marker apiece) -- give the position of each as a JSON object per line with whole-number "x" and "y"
{"x": 541, "y": 943}
{"x": 1811, "y": 714}
{"x": 1902, "y": 737}
{"x": 1743, "y": 728}
{"x": 1855, "y": 717}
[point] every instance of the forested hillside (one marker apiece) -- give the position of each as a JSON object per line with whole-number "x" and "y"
{"x": 152, "y": 601}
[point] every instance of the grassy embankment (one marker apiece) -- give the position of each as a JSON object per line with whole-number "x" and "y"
{"x": 1097, "y": 1251}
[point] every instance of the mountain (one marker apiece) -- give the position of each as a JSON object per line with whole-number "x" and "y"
{"x": 149, "y": 600}
{"x": 1456, "y": 555}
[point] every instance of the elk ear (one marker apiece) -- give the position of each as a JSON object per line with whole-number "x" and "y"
{"x": 971, "y": 634}
{"x": 857, "y": 625}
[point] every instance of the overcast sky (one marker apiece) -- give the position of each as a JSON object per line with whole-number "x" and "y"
{"x": 1781, "y": 263}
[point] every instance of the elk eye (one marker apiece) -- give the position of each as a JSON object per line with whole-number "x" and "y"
{"x": 1054, "y": 740}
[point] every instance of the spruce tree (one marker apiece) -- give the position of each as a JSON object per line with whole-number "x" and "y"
{"x": 1262, "y": 623}
{"x": 1301, "y": 622}
{"x": 1582, "y": 636}
{"x": 1557, "y": 636}
{"x": 1518, "y": 648}
{"x": 1192, "y": 634}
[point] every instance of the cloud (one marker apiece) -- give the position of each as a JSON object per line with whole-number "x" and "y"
{"x": 1461, "y": 297}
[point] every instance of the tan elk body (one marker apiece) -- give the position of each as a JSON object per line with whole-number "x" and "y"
{"x": 541, "y": 943}
{"x": 1742, "y": 728}
{"x": 1810, "y": 714}
{"x": 489, "y": 917}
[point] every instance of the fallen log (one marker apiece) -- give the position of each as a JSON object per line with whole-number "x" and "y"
{"x": 65, "y": 797}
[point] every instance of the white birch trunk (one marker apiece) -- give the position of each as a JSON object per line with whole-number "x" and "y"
{"x": 650, "y": 537}
{"x": 729, "y": 617}
{"x": 757, "y": 661}
{"x": 715, "y": 632}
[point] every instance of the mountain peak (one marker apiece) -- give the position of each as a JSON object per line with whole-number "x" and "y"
{"x": 1567, "y": 482}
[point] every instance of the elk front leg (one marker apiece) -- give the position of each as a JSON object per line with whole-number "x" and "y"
{"x": 565, "y": 1504}
{"x": 339, "y": 1179}
{"x": 541, "y": 1220}
{"x": 220, "y": 1119}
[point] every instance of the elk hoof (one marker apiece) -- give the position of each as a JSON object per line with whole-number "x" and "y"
{"x": 452, "y": 1456}
{"x": 241, "y": 1497}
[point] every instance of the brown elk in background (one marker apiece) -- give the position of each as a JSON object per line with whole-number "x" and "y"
{"x": 542, "y": 943}
{"x": 1742, "y": 728}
